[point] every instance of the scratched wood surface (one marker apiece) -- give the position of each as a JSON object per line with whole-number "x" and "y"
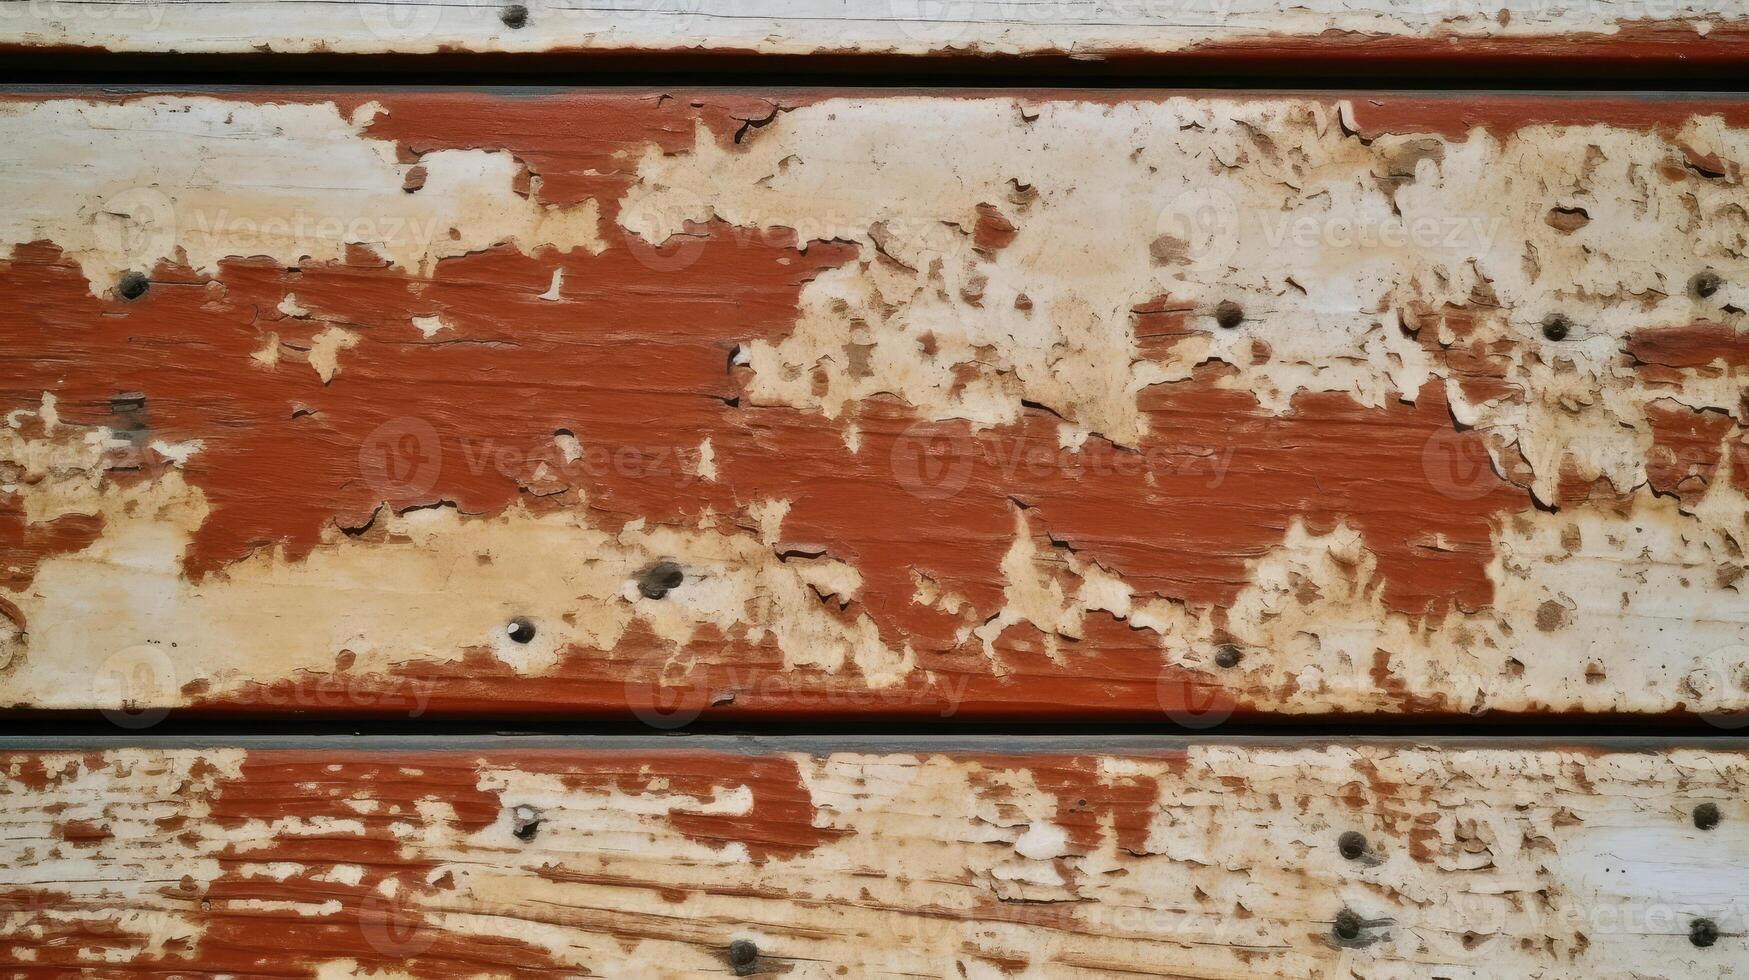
{"x": 1224, "y": 32}
{"x": 1234, "y": 860}
{"x": 666, "y": 403}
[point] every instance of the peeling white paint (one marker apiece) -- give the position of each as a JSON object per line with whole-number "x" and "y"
{"x": 124, "y": 186}
{"x": 1083, "y": 28}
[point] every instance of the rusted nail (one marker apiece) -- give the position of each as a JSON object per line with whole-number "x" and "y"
{"x": 1706, "y": 816}
{"x": 524, "y": 822}
{"x": 520, "y": 629}
{"x": 655, "y": 580}
{"x": 1703, "y": 932}
{"x": 133, "y": 285}
{"x": 1556, "y": 326}
{"x": 743, "y": 956}
{"x": 1228, "y": 656}
{"x": 1347, "y": 926}
{"x": 1229, "y": 315}
{"x": 514, "y": 16}
{"x": 1704, "y": 284}
{"x": 1352, "y": 844}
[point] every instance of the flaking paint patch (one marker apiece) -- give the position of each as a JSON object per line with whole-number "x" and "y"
{"x": 1650, "y": 617}
{"x": 1083, "y": 28}
{"x": 124, "y": 186}
{"x": 1332, "y": 248}
{"x": 425, "y": 586}
{"x": 1219, "y": 861}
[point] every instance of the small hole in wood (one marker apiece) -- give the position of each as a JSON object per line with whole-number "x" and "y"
{"x": 1556, "y": 326}
{"x": 133, "y": 285}
{"x": 1352, "y": 844}
{"x": 656, "y": 580}
{"x": 515, "y": 16}
{"x": 1705, "y": 284}
{"x": 520, "y": 629}
{"x": 525, "y": 822}
{"x": 1229, "y": 315}
{"x": 1228, "y": 657}
{"x": 1347, "y": 926}
{"x": 1706, "y": 816}
{"x": 743, "y": 956}
{"x": 1703, "y": 932}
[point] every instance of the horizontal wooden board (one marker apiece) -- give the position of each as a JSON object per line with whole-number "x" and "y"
{"x": 1212, "y": 860}
{"x": 813, "y": 403}
{"x": 1637, "y": 31}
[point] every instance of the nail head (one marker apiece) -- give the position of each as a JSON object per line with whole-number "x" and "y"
{"x": 1347, "y": 925}
{"x": 1706, "y": 816}
{"x": 1703, "y": 932}
{"x": 514, "y": 16}
{"x": 524, "y": 822}
{"x": 655, "y": 581}
{"x": 1229, "y": 315}
{"x": 133, "y": 285}
{"x": 743, "y": 954}
{"x": 1228, "y": 656}
{"x": 1557, "y": 326}
{"x": 1705, "y": 284}
{"x": 1352, "y": 844}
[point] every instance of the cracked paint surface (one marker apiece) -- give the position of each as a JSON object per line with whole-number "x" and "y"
{"x": 1122, "y": 405}
{"x": 1081, "y": 28}
{"x": 1215, "y": 860}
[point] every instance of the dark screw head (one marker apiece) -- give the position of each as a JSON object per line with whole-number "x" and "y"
{"x": 514, "y": 16}
{"x": 1706, "y": 816}
{"x": 743, "y": 954}
{"x": 655, "y": 580}
{"x": 1228, "y": 656}
{"x": 1347, "y": 926}
{"x": 525, "y": 822}
{"x": 1352, "y": 844}
{"x": 1703, "y": 932}
{"x": 1229, "y": 315}
{"x": 519, "y": 629}
{"x": 1704, "y": 284}
{"x": 133, "y": 285}
{"x": 1556, "y": 326}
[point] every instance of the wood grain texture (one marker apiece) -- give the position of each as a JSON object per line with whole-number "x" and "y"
{"x": 1208, "y": 861}
{"x": 1630, "y": 32}
{"x": 901, "y": 404}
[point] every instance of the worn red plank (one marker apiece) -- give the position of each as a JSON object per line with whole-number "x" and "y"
{"x": 899, "y": 404}
{"x": 1251, "y": 859}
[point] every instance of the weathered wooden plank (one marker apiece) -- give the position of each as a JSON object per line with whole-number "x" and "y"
{"x": 1212, "y": 860}
{"x": 1655, "y": 30}
{"x": 905, "y": 404}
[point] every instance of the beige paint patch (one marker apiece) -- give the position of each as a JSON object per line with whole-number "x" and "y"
{"x": 124, "y": 186}
{"x": 1085, "y": 28}
{"x": 1330, "y": 248}
{"x": 430, "y": 586}
{"x": 1477, "y": 862}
